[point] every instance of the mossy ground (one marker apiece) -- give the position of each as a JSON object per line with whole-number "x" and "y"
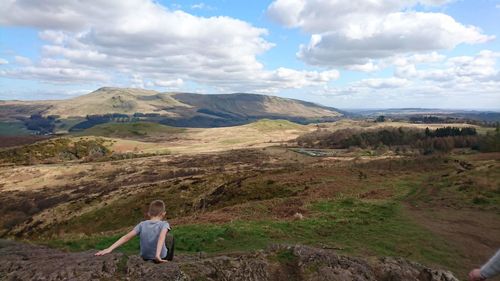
{"x": 350, "y": 225}
{"x": 358, "y": 208}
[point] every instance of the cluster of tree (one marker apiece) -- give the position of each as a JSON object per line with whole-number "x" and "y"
{"x": 428, "y": 141}
{"x": 430, "y": 145}
{"x": 428, "y": 119}
{"x": 42, "y": 125}
{"x": 92, "y": 120}
{"x": 491, "y": 141}
{"x": 361, "y": 138}
{"x": 138, "y": 114}
{"x": 451, "y": 132}
{"x": 481, "y": 119}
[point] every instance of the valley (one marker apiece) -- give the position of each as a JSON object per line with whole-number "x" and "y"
{"x": 357, "y": 187}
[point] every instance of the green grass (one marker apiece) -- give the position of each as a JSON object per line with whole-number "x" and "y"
{"x": 63, "y": 125}
{"x": 268, "y": 125}
{"x": 122, "y": 212}
{"x": 126, "y": 211}
{"x": 13, "y": 129}
{"x": 285, "y": 256}
{"x": 131, "y": 130}
{"x": 476, "y": 188}
{"x": 57, "y": 149}
{"x": 359, "y": 228}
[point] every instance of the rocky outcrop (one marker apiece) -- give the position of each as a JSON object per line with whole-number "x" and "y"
{"x": 20, "y": 261}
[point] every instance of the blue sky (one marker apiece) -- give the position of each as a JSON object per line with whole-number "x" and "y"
{"x": 346, "y": 54}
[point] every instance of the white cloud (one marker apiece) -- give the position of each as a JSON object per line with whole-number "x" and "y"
{"x": 290, "y": 78}
{"x": 397, "y": 33}
{"x": 149, "y": 43}
{"x": 23, "y": 60}
{"x": 370, "y": 66}
{"x": 55, "y": 74}
{"x": 169, "y": 83}
{"x": 354, "y": 33}
{"x": 478, "y": 68}
{"x": 53, "y": 36}
{"x": 382, "y": 83}
{"x": 201, "y": 6}
{"x": 477, "y": 72}
{"x": 461, "y": 81}
{"x": 318, "y": 16}
{"x": 3, "y": 61}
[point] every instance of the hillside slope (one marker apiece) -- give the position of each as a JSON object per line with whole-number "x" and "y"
{"x": 115, "y": 100}
{"x": 177, "y": 109}
{"x": 252, "y": 105}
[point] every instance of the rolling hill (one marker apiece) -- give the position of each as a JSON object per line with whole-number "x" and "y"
{"x": 175, "y": 109}
{"x": 141, "y": 130}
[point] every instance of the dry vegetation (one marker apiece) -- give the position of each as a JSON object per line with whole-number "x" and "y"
{"x": 232, "y": 189}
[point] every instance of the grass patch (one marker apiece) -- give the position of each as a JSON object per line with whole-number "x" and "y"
{"x": 285, "y": 257}
{"x": 268, "y": 125}
{"x": 64, "y": 125}
{"x": 358, "y": 227}
{"x": 122, "y": 212}
{"x": 14, "y": 129}
{"x": 131, "y": 130}
{"x": 56, "y": 150}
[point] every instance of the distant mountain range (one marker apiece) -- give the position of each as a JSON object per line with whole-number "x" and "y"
{"x": 459, "y": 115}
{"x": 177, "y": 109}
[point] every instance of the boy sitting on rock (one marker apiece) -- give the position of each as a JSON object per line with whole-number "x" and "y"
{"x": 152, "y": 235}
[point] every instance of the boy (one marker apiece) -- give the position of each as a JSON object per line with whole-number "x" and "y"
{"x": 152, "y": 235}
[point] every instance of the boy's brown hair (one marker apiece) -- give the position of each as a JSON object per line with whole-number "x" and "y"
{"x": 156, "y": 208}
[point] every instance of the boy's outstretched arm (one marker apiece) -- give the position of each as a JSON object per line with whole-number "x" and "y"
{"x": 159, "y": 245}
{"x": 124, "y": 239}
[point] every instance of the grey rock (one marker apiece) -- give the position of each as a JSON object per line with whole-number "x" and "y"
{"x": 21, "y": 261}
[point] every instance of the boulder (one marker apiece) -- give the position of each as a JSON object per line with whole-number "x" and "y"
{"x": 22, "y": 261}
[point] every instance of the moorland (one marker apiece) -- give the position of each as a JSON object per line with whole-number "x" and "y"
{"x": 242, "y": 172}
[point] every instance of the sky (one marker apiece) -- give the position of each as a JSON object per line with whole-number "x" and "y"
{"x": 340, "y": 53}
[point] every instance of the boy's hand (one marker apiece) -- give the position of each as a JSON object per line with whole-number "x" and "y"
{"x": 103, "y": 252}
{"x": 160, "y": 260}
{"x": 475, "y": 275}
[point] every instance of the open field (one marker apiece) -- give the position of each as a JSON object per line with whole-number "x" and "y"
{"x": 230, "y": 189}
{"x": 137, "y": 130}
{"x": 13, "y": 129}
{"x": 201, "y": 140}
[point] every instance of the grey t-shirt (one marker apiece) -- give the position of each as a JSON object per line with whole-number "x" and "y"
{"x": 149, "y": 232}
{"x": 492, "y": 267}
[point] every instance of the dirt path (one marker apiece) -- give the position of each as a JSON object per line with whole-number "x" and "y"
{"x": 475, "y": 233}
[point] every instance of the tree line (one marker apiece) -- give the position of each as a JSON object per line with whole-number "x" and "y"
{"x": 428, "y": 141}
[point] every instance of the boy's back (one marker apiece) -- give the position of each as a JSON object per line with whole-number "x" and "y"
{"x": 149, "y": 232}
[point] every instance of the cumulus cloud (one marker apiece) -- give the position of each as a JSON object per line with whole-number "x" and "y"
{"x": 354, "y": 33}
{"x": 382, "y": 83}
{"x": 479, "y": 70}
{"x": 290, "y": 78}
{"x": 22, "y": 60}
{"x": 169, "y": 83}
{"x": 201, "y": 6}
{"x": 147, "y": 42}
{"x": 3, "y": 61}
{"x": 56, "y": 74}
{"x": 460, "y": 81}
